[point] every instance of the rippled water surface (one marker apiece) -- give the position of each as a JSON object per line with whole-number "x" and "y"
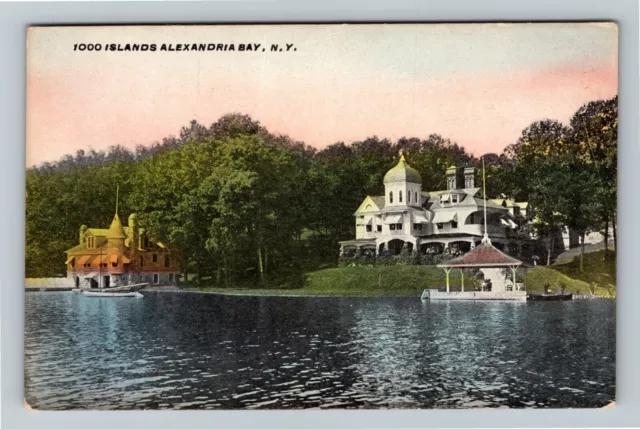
{"x": 183, "y": 350}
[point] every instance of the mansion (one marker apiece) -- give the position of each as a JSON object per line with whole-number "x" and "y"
{"x": 449, "y": 221}
{"x": 118, "y": 256}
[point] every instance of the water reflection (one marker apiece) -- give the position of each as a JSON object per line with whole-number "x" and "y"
{"x": 203, "y": 351}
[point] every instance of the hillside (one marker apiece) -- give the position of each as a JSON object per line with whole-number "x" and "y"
{"x": 596, "y": 270}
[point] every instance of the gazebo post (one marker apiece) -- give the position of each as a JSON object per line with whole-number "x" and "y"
{"x": 462, "y": 278}
{"x": 447, "y": 271}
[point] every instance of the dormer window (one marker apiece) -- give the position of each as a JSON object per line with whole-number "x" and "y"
{"x": 454, "y": 199}
{"x": 444, "y": 198}
{"x": 516, "y": 211}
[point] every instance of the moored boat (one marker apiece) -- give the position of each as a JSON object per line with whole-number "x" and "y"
{"x": 113, "y": 294}
{"x": 116, "y": 289}
{"x": 549, "y": 297}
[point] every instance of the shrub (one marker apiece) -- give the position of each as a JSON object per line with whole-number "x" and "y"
{"x": 563, "y": 286}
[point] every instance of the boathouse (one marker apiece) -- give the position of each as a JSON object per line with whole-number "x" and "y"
{"x": 118, "y": 256}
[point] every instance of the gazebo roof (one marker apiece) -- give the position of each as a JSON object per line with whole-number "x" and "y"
{"x": 484, "y": 255}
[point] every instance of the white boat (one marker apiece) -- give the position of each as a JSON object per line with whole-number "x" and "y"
{"x": 112, "y": 294}
{"x": 116, "y": 289}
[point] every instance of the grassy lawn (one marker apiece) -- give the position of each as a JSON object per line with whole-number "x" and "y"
{"x": 365, "y": 280}
{"x": 596, "y": 269}
{"x": 413, "y": 279}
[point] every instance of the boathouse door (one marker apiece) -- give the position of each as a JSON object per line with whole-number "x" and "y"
{"x": 106, "y": 281}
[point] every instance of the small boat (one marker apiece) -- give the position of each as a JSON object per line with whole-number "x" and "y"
{"x": 116, "y": 289}
{"x": 113, "y": 294}
{"x": 549, "y": 297}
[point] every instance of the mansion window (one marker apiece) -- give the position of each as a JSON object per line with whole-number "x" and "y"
{"x": 114, "y": 264}
{"x": 409, "y": 197}
{"x": 415, "y": 194}
{"x": 156, "y": 278}
{"x": 516, "y": 211}
{"x": 104, "y": 265}
{"x": 368, "y": 228}
{"x": 155, "y": 258}
{"x": 417, "y": 226}
{"x": 395, "y": 227}
{"x": 400, "y": 197}
{"x": 141, "y": 259}
{"x": 391, "y": 197}
{"x": 379, "y": 228}
{"x": 440, "y": 225}
{"x": 166, "y": 261}
{"x": 454, "y": 224}
{"x": 87, "y": 265}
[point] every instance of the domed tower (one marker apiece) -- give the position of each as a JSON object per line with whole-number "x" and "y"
{"x": 402, "y": 185}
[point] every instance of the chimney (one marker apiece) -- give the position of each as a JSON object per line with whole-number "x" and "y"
{"x": 470, "y": 177}
{"x": 452, "y": 178}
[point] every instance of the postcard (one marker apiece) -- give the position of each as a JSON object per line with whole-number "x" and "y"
{"x": 335, "y": 216}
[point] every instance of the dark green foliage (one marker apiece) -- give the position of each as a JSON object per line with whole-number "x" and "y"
{"x": 240, "y": 205}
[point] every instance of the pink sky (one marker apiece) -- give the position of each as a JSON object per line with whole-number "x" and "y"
{"x": 479, "y": 85}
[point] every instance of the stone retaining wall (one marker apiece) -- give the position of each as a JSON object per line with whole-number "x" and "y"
{"x": 48, "y": 282}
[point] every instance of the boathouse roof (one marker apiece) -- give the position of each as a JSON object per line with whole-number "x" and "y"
{"x": 484, "y": 255}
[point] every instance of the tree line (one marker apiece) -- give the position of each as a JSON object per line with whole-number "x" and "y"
{"x": 237, "y": 203}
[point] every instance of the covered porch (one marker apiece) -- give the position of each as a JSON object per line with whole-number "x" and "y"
{"x": 355, "y": 248}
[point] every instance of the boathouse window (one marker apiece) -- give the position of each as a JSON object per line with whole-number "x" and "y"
{"x": 400, "y": 197}
{"x": 156, "y": 278}
{"x": 440, "y": 225}
{"x": 170, "y": 277}
{"x": 379, "y": 228}
{"x": 155, "y": 258}
{"x": 166, "y": 261}
{"x": 454, "y": 224}
{"x": 391, "y": 197}
{"x": 368, "y": 228}
{"x": 417, "y": 226}
{"x": 141, "y": 261}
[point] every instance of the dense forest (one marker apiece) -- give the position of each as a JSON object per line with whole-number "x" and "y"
{"x": 237, "y": 203}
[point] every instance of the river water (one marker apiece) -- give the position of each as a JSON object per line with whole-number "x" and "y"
{"x": 201, "y": 351}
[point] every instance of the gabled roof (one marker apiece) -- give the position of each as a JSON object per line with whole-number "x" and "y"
{"x": 98, "y": 232}
{"x": 484, "y": 255}
{"x": 376, "y": 202}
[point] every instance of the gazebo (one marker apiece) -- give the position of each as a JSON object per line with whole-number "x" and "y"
{"x": 483, "y": 256}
